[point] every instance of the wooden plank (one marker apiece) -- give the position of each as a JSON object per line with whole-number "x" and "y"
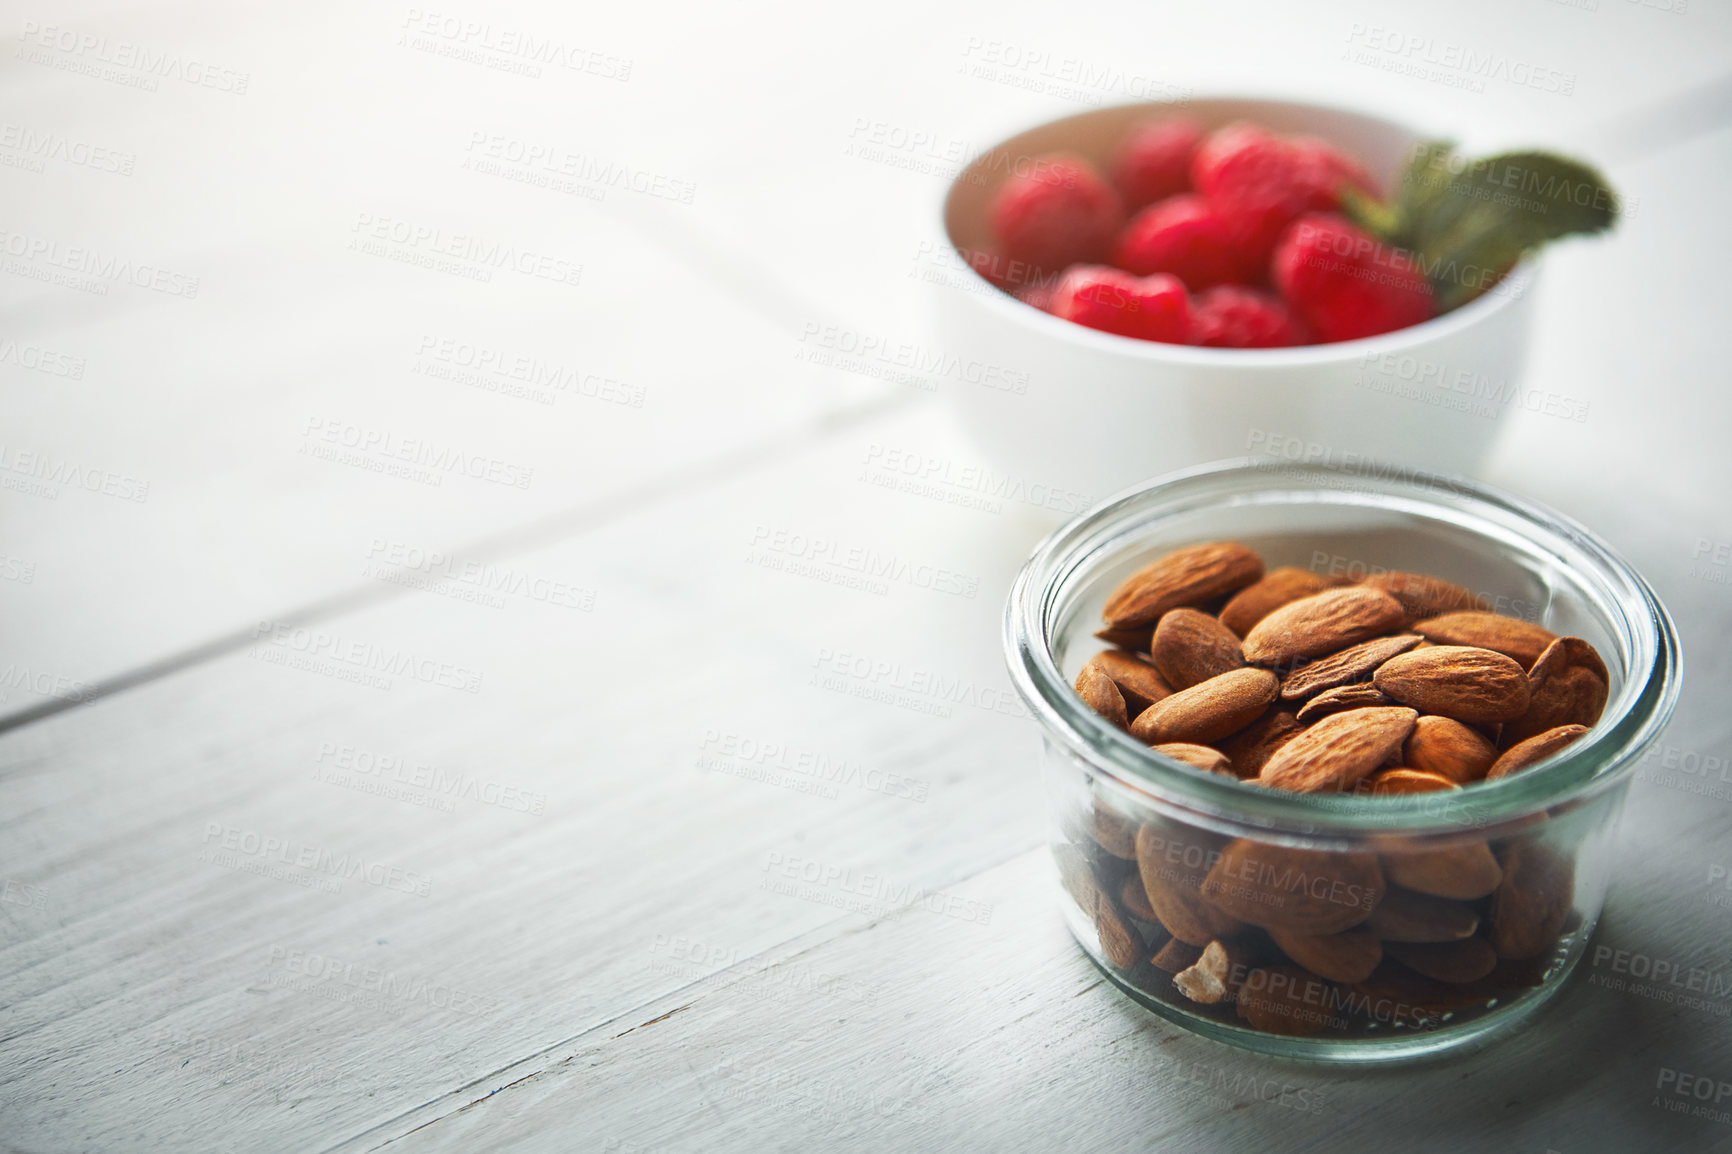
{"x": 671, "y": 739}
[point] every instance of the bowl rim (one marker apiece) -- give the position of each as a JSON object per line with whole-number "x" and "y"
{"x": 1514, "y": 287}
{"x": 1608, "y": 757}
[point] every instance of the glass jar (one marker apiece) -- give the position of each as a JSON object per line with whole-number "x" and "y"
{"x": 1506, "y": 877}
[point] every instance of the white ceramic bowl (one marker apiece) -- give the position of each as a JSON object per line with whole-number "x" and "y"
{"x": 1095, "y": 412}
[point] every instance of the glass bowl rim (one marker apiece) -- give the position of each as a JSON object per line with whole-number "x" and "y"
{"x": 1606, "y": 756}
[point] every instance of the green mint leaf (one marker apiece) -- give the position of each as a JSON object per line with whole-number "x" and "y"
{"x": 1468, "y": 224}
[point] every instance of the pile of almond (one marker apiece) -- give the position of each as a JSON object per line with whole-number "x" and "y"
{"x": 1396, "y": 684}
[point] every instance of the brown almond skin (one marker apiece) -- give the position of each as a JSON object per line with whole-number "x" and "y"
{"x": 1277, "y": 587}
{"x": 1322, "y": 623}
{"x": 1421, "y": 596}
{"x": 1250, "y": 749}
{"x": 1339, "y": 751}
{"x": 1468, "y": 960}
{"x": 1176, "y": 955}
{"x": 1573, "y": 695}
{"x": 1209, "y": 710}
{"x": 1101, "y": 695}
{"x": 1521, "y": 640}
{"x": 1402, "y": 780}
{"x": 1461, "y": 872}
{"x": 1190, "y": 647}
{"x": 1074, "y": 874}
{"x": 1173, "y": 886}
{"x": 1353, "y": 664}
{"x": 1139, "y": 682}
{"x": 1341, "y": 698}
{"x": 1446, "y": 747}
{"x": 1135, "y": 899}
{"x": 1583, "y": 654}
{"x": 1409, "y": 916}
{"x": 1555, "y": 658}
{"x": 1188, "y": 576}
{"x": 1198, "y": 757}
{"x": 1349, "y": 956}
{"x": 1121, "y": 942}
{"x": 1535, "y": 749}
{"x": 1113, "y": 831}
{"x": 1532, "y": 902}
{"x": 1460, "y": 681}
{"x": 1133, "y": 640}
{"x": 1304, "y": 891}
{"x": 1285, "y": 1000}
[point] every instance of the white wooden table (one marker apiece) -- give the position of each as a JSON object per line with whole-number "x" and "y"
{"x": 409, "y": 711}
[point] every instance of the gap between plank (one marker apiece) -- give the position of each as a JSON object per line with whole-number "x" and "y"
{"x": 541, "y": 532}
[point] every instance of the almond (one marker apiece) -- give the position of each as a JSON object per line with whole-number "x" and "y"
{"x": 1113, "y": 831}
{"x": 1305, "y": 891}
{"x": 1338, "y": 751}
{"x": 1460, "y": 681}
{"x": 1409, "y": 916}
{"x": 1464, "y": 872}
{"x": 1121, "y": 942}
{"x": 1133, "y": 640}
{"x": 1421, "y": 596}
{"x": 1135, "y": 899}
{"x": 1353, "y": 664}
{"x": 1209, "y": 710}
{"x": 1176, "y": 955}
{"x": 1188, "y": 576}
{"x": 1510, "y": 636}
{"x": 1139, "y": 682}
{"x": 1285, "y": 1000}
{"x": 1342, "y": 697}
{"x": 1554, "y": 659}
{"x": 1074, "y": 874}
{"x": 1190, "y": 647}
{"x": 1535, "y": 749}
{"x": 1251, "y": 747}
{"x": 1571, "y": 695}
{"x": 1198, "y": 757}
{"x": 1321, "y": 623}
{"x": 1402, "y": 780}
{"x": 1172, "y": 861}
{"x": 1402, "y": 997}
{"x": 1349, "y": 956}
{"x": 1446, "y": 747}
{"x": 1101, "y": 695}
{"x": 1586, "y": 656}
{"x": 1210, "y": 979}
{"x": 1468, "y": 960}
{"x": 1255, "y": 602}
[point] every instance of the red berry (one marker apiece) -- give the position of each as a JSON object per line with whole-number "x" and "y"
{"x": 1261, "y": 183}
{"x": 1057, "y": 214}
{"x": 1185, "y": 236}
{"x": 1155, "y": 161}
{"x": 1345, "y": 285}
{"x": 1152, "y": 308}
{"x": 1234, "y": 317}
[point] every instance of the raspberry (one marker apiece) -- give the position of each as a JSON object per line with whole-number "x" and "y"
{"x": 1344, "y": 284}
{"x": 1152, "y": 308}
{"x": 1185, "y": 236}
{"x": 1155, "y": 161}
{"x": 1261, "y": 183}
{"x": 1057, "y": 214}
{"x": 1232, "y": 317}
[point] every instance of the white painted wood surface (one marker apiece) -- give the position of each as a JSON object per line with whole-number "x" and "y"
{"x": 551, "y": 928}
